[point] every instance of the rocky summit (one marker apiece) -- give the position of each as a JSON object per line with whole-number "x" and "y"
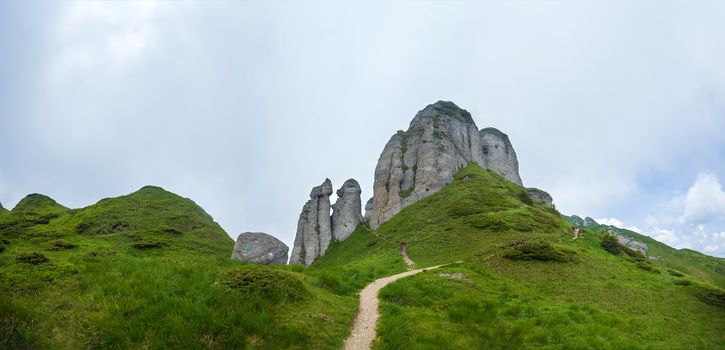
{"x": 259, "y": 247}
{"x": 441, "y": 139}
{"x": 314, "y": 231}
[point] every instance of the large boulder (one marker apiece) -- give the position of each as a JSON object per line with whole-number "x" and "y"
{"x": 346, "y": 212}
{"x": 259, "y": 247}
{"x": 314, "y": 231}
{"x": 441, "y": 139}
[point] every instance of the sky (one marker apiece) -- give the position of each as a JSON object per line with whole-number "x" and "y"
{"x": 615, "y": 108}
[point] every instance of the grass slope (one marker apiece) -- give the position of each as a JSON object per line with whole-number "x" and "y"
{"x": 553, "y": 293}
{"x": 150, "y": 270}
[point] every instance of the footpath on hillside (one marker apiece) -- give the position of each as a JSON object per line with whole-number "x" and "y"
{"x": 363, "y": 330}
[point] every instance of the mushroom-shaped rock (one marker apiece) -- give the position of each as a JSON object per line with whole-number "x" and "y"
{"x": 259, "y": 247}
{"x": 346, "y": 212}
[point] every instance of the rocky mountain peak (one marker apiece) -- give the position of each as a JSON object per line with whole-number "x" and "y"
{"x": 347, "y": 210}
{"x": 442, "y": 139}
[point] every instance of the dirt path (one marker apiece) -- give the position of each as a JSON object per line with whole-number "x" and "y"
{"x": 404, "y": 253}
{"x": 363, "y": 330}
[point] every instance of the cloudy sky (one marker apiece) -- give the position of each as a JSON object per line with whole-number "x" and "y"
{"x": 616, "y": 108}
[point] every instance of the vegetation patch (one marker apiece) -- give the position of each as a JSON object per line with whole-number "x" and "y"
{"x": 149, "y": 244}
{"x": 61, "y": 244}
{"x": 537, "y": 250}
{"x": 265, "y": 281}
{"x": 31, "y": 258}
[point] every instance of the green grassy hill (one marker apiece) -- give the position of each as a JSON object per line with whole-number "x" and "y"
{"x": 524, "y": 281}
{"x": 150, "y": 270}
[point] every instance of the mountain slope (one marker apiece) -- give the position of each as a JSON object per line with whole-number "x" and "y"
{"x": 524, "y": 281}
{"x": 150, "y": 270}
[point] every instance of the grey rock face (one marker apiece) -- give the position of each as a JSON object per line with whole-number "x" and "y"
{"x": 577, "y": 221}
{"x": 346, "y": 212}
{"x": 441, "y": 139}
{"x": 499, "y": 154}
{"x": 259, "y": 247}
{"x": 314, "y": 227}
{"x": 368, "y": 210}
{"x": 589, "y": 222}
{"x": 543, "y": 196}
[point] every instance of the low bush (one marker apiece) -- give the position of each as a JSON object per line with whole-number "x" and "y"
{"x": 709, "y": 294}
{"x": 265, "y": 281}
{"x": 611, "y": 244}
{"x": 538, "y": 250}
{"x": 149, "y": 244}
{"x": 61, "y": 245}
{"x": 646, "y": 265}
{"x": 31, "y": 258}
{"x": 675, "y": 273}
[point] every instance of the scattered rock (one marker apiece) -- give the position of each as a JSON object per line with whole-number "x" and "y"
{"x": 346, "y": 212}
{"x": 441, "y": 139}
{"x": 541, "y": 195}
{"x": 455, "y": 275}
{"x": 259, "y": 247}
{"x": 632, "y": 244}
{"x": 314, "y": 226}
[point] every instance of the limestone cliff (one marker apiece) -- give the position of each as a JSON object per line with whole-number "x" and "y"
{"x": 441, "y": 139}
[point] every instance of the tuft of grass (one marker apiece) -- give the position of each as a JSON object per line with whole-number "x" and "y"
{"x": 61, "y": 244}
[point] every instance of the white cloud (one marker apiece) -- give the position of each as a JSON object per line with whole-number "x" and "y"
{"x": 618, "y": 223}
{"x": 705, "y": 200}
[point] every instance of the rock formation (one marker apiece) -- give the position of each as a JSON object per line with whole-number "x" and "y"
{"x": 441, "y": 139}
{"x": 543, "y": 196}
{"x": 576, "y": 220}
{"x": 589, "y": 222}
{"x": 499, "y": 154}
{"x": 346, "y": 212}
{"x": 259, "y": 247}
{"x": 314, "y": 230}
{"x": 368, "y": 210}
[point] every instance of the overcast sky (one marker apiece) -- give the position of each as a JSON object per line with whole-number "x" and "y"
{"x": 616, "y": 108}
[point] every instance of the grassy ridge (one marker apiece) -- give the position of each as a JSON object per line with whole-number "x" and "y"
{"x": 524, "y": 282}
{"x": 150, "y": 270}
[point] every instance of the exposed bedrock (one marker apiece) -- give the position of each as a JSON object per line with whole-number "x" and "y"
{"x": 346, "y": 212}
{"x": 314, "y": 227}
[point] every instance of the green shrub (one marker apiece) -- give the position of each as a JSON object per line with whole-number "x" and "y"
{"x": 265, "y": 281}
{"x": 2, "y": 248}
{"x": 646, "y": 265}
{"x": 61, "y": 244}
{"x": 31, "y": 258}
{"x": 525, "y": 197}
{"x": 149, "y": 244}
{"x": 675, "y": 273}
{"x": 538, "y": 250}
{"x": 709, "y": 294}
{"x": 611, "y": 244}
{"x": 683, "y": 283}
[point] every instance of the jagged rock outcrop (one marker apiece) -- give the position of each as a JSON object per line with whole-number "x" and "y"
{"x": 541, "y": 195}
{"x": 576, "y": 220}
{"x": 259, "y": 247}
{"x": 314, "y": 231}
{"x": 368, "y": 210}
{"x": 441, "y": 139}
{"x": 589, "y": 222}
{"x": 346, "y": 212}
